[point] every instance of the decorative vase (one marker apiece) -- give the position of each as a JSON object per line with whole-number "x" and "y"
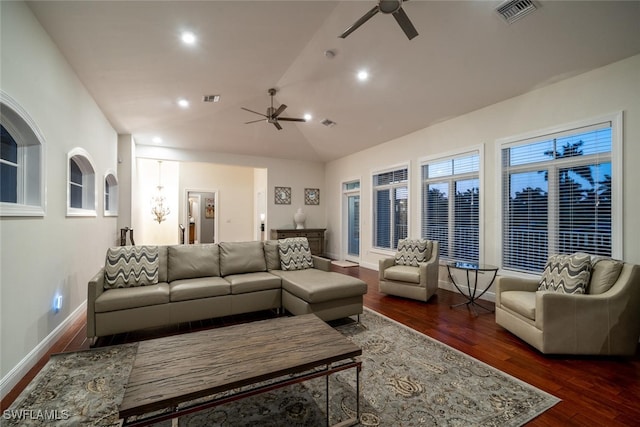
{"x": 300, "y": 217}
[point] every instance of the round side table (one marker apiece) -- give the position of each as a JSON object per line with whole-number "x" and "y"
{"x": 471, "y": 291}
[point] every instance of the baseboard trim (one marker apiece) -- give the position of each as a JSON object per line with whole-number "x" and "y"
{"x": 9, "y": 381}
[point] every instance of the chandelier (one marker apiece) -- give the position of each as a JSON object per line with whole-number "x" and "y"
{"x": 159, "y": 209}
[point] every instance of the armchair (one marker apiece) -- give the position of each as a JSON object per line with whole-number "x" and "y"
{"x": 602, "y": 321}
{"x": 419, "y": 279}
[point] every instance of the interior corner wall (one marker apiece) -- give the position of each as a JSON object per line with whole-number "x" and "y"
{"x": 606, "y": 90}
{"x": 126, "y": 172}
{"x": 45, "y": 256}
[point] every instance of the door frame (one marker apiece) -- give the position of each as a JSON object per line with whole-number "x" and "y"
{"x": 216, "y": 203}
{"x": 345, "y": 194}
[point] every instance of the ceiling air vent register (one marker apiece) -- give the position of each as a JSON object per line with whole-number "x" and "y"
{"x": 211, "y": 98}
{"x": 328, "y": 123}
{"x": 513, "y": 10}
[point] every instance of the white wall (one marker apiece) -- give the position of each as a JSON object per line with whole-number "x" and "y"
{"x": 280, "y": 173}
{"x": 234, "y": 205}
{"x": 606, "y": 90}
{"x": 42, "y": 257}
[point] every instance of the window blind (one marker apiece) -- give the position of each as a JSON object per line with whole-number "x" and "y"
{"x": 390, "y": 198}
{"x": 557, "y": 196}
{"x": 450, "y": 205}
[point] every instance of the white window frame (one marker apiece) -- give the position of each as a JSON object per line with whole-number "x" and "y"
{"x": 467, "y": 151}
{"x": 31, "y": 183}
{"x": 616, "y": 120}
{"x": 112, "y": 181}
{"x": 89, "y": 193}
{"x": 407, "y": 165}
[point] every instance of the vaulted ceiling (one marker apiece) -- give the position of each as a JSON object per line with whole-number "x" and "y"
{"x": 130, "y": 57}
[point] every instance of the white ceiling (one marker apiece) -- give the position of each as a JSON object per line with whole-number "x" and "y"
{"x": 130, "y": 57}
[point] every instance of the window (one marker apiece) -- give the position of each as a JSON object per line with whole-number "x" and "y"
{"x": 21, "y": 167}
{"x": 558, "y": 196}
{"x": 450, "y": 205}
{"x": 81, "y": 197}
{"x": 110, "y": 195}
{"x": 351, "y": 194}
{"x": 390, "y": 200}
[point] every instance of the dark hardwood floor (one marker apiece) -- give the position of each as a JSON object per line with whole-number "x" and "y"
{"x": 595, "y": 391}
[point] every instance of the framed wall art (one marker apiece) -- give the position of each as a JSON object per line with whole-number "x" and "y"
{"x": 282, "y": 195}
{"x": 311, "y": 196}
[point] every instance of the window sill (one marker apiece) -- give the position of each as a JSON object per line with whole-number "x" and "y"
{"x": 14, "y": 209}
{"x": 75, "y": 212}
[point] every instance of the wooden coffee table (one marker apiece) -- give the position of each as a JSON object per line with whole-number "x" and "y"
{"x": 172, "y": 371}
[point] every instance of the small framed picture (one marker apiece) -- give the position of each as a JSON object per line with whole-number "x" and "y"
{"x": 311, "y": 196}
{"x": 282, "y": 195}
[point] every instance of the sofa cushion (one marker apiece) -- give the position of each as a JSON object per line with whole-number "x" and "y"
{"x": 567, "y": 274}
{"x": 191, "y": 261}
{"x": 315, "y": 286}
{"x": 403, "y": 273}
{"x": 521, "y": 302}
{"x": 253, "y": 282}
{"x": 241, "y": 257}
{"x": 295, "y": 253}
{"x": 127, "y": 266}
{"x": 201, "y": 287}
{"x": 412, "y": 251}
{"x": 604, "y": 274}
{"x": 141, "y": 296}
{"x": 272, "y": 255}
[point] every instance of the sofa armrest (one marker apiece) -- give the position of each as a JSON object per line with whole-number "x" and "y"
{"x": 321, "y": 263}
{"x": 430, "y": 270}
{"x": 383, "y": 264}
{"x": 95, "y": 288}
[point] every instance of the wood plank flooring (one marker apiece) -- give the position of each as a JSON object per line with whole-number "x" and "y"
{"x": 595, "y": 391}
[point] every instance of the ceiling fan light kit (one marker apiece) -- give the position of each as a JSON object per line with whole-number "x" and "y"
{"x": 273, "y": 114}
{"x": 388, "y": 7}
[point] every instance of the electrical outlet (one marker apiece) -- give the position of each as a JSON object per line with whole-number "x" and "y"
{"x": 57, "y": 303}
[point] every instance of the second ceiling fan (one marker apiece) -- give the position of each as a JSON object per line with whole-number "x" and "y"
{"x": 393, "y": 7}
{"x": 273, "y": 114}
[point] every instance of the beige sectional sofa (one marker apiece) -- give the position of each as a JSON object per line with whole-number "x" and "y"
{"x": 196, "y": 282}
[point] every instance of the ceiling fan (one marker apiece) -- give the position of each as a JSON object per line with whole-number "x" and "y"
{"x": 393, "y": 7}
{"x": 273, "y": 114}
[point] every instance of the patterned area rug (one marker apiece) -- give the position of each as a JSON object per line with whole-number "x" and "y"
{"x": 408, "y": 379}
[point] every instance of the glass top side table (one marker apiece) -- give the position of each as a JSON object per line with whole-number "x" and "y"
{"x": 470, "y": 291}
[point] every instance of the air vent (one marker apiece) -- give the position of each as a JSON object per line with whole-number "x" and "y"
{"x": 513, "y": 10}
{"x": 328, "y": 123}
{"x": 211, "y": 98}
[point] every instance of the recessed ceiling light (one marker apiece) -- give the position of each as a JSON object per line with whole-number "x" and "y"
{"x": 157, "y": 140}
{"x": 308, "y": 116}
{"x": 183, "y": 103}
{"x": 188, "y": 37}
{"x": 363, "y": 75}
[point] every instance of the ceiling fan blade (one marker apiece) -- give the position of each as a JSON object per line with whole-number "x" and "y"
{"x": 290, "y": 119}
{"x": 277, "y": 125}
{"x": 254, "y": 121}
{"x": 359, "y": 22}
{"x": 251, "y": 111}
{"x": 279, "y": 110}
{"x": 405, "y": 24}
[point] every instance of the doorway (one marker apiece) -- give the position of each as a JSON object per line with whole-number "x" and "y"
{"x": 201, "y": 216}
{"x": 351, "y": 221}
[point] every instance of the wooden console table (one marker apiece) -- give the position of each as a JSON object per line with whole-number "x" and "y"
{"x": 315, "y": 236}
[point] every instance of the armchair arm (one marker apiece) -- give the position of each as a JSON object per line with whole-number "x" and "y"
{"x": 321, "y": 263}
{"x": 95, "y": 288}
{"x": 430, "y": 270}
{"x": 510, "y": 283}
{"x": 383, "y": 264}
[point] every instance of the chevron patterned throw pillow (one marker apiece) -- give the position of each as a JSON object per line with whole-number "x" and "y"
{"x": 567, "y": 274}
{"x": 295, "y": 253}
{"x": 411, "y": 252}
{"x": 128, "y": 266}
